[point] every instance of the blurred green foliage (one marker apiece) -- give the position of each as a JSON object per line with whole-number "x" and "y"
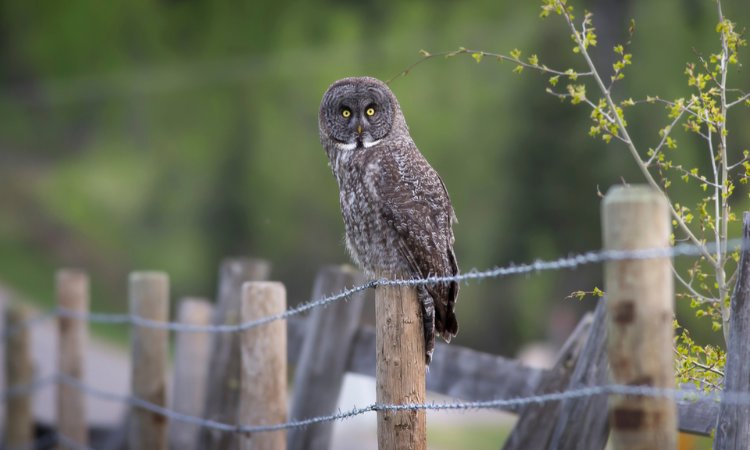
{"x": 168, "y": 134}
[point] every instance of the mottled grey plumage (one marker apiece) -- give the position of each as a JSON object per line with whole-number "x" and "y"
{"x": 395, "y": 207}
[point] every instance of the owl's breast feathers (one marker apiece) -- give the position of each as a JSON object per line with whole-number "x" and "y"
{"x": 398, "y": 219}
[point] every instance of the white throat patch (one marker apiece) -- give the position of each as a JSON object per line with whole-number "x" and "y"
{"x": 370, "y": 144}
{"x": 342, "y": 146}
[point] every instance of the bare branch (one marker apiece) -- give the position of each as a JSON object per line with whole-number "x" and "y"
{"x": 494, "y": 55}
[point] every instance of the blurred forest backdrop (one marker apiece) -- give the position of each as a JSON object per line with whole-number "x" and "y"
{"x": 165, "y": 135}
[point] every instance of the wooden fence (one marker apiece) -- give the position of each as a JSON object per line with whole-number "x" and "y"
{"x": 240, "y": 378}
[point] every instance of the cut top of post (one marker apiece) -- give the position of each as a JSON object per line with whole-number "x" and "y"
{"x": 147, "y": 293}
{"x": 618, "y": 217}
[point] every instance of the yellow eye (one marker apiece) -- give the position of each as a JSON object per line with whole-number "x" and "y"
{"x": 346, "y": 113}
{"x": 370, "y": 111}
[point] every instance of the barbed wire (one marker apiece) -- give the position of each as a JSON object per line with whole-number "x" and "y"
{"x": 571, "y": 262}
{"x": 42, "y": 317}
{"x": 738, "y": 398}
{"x": 27, "y": 389}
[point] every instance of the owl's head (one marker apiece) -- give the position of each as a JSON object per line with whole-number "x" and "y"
{"x": 357, "y": 113}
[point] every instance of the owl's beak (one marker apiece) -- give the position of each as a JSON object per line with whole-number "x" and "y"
{"x": 359, "y": 129}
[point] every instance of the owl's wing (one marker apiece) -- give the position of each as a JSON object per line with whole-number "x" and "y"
{"x": 417, "y": 206}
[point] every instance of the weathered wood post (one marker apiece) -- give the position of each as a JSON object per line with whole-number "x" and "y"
{"x": 190, "y": 370}
{"x": 325, "y": 354}
{"x": 400, "y": 368}
{"x": 733, "y": 425}
{"x": 263, "y": 383}
{"x": 19, "y": 369}
{"x": 72, "y": 290}
{"x": 223, "y": 385}
{"x": 640, "y": 298}
{"x": 149, "y": 299}
{"x": 536, "y": 421}
{"x": 582, "y": 423}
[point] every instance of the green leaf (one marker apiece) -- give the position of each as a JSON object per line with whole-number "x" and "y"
{"x": 477, "y": 56}
{"x": 554, "y": 80}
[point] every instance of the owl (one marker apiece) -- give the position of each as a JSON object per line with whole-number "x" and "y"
{"x": 395, "y": 206}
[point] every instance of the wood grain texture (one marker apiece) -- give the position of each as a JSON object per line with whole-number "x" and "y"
{"x": 190, "y": 370}
{"x": 72, "y": 292}
{"x": 19, "y": 370}
{"x": 264, "y": 370}
{"x": 640, "y": 300}
{"x": 582, "y": 423}
{"x": 400, "y": 368}
{"x": 325, "y": 355}
{"x": 733, "y": 425}
{"x": 697, "y": 417}
{"x": 536, "y": 422}
{"x": 223, "y": 385}
{"x": 149, "y": 299}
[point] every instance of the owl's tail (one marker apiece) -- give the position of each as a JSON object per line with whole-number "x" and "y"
{"x": 428, "y": 320}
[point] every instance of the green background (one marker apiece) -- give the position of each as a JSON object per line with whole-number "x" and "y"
{"x": 166, "y": 135}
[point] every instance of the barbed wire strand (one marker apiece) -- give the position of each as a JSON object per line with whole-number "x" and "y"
{"x": 674, "y": 394}
{"x": 42, "y": 317}
{"x": 538, "y": 266}
{"x": 28, "y": 389}
{"x": 571, "y": 262}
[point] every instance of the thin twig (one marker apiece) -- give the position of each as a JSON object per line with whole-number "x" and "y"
{"x": 666, "y": 133}
{"x": 494, "y": 55}
{"x": 688, "y": 285}
{"x": 740, "y": 100}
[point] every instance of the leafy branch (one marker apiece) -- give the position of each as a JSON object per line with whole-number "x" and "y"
{"x": 704, "y": 113}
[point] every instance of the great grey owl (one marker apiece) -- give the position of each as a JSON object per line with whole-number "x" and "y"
{"x": 396, "y": 209}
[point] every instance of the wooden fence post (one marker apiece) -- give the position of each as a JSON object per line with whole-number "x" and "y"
{"x": 72, "y": 289}
{"x": 263, "y": 383}
{"x": 733, "y": 425}
{"x": 223, "y": 385}
{"x": 640, "y": 298}
{"x": 536, "y": 422}
{"x": 325, "y": 354}
{"x": 190, "y": 370}
{"x": 400, "y": 368}
{"x": 582, "y": 423}
{"x": 19, "y": 421}
{"x": 149, "y": 299}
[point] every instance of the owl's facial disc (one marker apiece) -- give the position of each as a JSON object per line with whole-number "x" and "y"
{"x": 357, "y": 115}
